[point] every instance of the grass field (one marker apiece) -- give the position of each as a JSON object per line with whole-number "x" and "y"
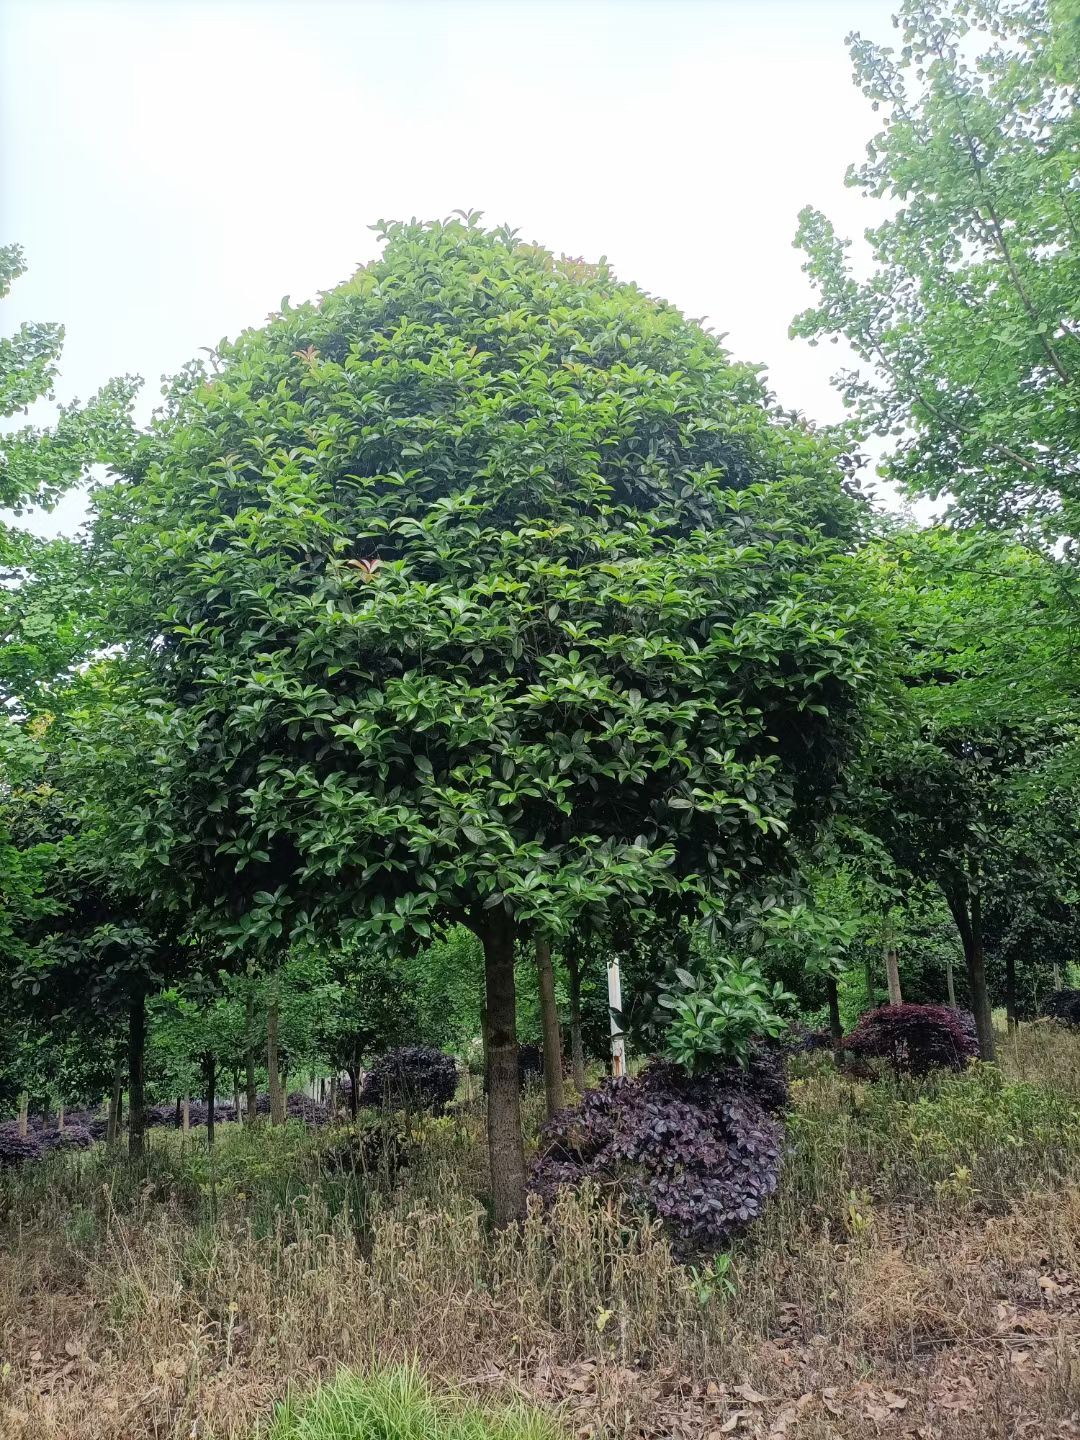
{"x": 918, "y": 1274}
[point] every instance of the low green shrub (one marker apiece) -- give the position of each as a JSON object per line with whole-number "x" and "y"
{"x": 400, "y": 1405}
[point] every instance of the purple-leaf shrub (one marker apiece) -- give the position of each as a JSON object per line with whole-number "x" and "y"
{"x": 15, "y": 1148}
{"x": 412, "y": 1077}
{"x": 915, "y": 1039}
{"x": 701, "y": 1153}
{"x": 1063, "y": 1005}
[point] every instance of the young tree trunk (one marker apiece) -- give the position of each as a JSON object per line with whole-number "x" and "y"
{"x": 577, "y": 1048}
{"x": 836, "y": 1029}
{"x": 332, "y": 1102}
{"x": 1012, "y": 1019}
{"x": 24, "y": 1114}
{"x": 185, "y": 1118}
{"x": 249, "y": 1055}
{"x": 354, "y": 1091}
{"x": 236, "y": 1094}
{"x": 554, "y": 1089}
{"x": 211, "y": 1088}
{"x": 506, "y": 1150}
{"x": 178, "y": 1111}
{"x": 116, "y": 1098}
{"x": 277, "y": 1099}
{"x": 1057, "y": 976}
{"x": 137, "y": 1073}
{"x": 963, "y": 901}
{"x": 950, "y": 981}
{"x": 892, "y": 972}
{"x": 60, "y": 1117}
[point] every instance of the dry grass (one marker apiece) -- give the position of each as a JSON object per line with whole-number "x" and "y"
{"x": 918, "y": 1274}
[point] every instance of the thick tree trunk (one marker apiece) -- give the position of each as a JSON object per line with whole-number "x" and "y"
{"x": 277, "y": 1099}
{"x": 836, "y": 1029}
{"x": 963, "y": 901}
{"x": 249, "y": 1056}
{"x": 554, "y": 1089}
{"x": 137, "y": 1074}
{"x": 506, "y": 1150}
{"x": 211, "y": 1089}
{"x": 577, "y": 1047}
{"x": 1012, "y": 1019}
{"x": 116, "y": 1099}
{"x": 950, "y": 982}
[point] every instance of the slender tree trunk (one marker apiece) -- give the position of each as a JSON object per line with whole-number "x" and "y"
{"x": 249, "y": 1055}
{"x": 577, "y": 1048}
{"x": 950, "y": 981}
{"x": 112, "y": 1128}
{"x": 836, "y": 1029}
{"x": 137, "y": 1074}
{"x": 333, "y": 1100}
{"x": 277, "y": 1101}
{"x": 554, "y": 1089}
{"x": 1057, "y": 976}
{"x": 236, "y": 1094}
{"x": 506, "y": 1150}
{"x": 211, "y": 1088}
{"x": 354, "y": 1091}
{"x": 1012, "y": 1019}
{"x": 24, "y": 1114}
{"x": 963, "y": 901}
{"x": 892, "y": 973}
{"x": 60, "y": 1117}
{"x": 868, "y": 975}
{"x": 185, "y": 1118}
{"x": 178, "y": 1111}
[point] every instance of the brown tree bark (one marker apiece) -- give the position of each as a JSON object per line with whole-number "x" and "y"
{"x": 506, "y": 1150}
{"x": 963, "y": 901}
{"x": 277, "y": 1099}
{"x": 554, "y": 1090}
{"x": 577, "y": 1047}
{"x": 892, "y": 974}
{"x": 210, "y": 1071}
{"x": 836, "y": 1029}
{"x": 252, "y": 1096}
{"x": 137, "y": 1073}
{"x": 186, "y": 1116}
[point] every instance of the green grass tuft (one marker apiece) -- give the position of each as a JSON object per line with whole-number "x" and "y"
{"x": 399, "y": 1404}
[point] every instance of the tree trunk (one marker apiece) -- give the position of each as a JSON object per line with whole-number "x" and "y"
{"x": 951, "y": 983}
{"x": 506, "y": 1150}
{"x": 554, "y": 1090}
{"x": 332, "y": 1102}
{"x": 577, "y": 1048}
{"x": 60, "y": 1117}
{"x": 1057, "y": 976}
{"x": 185, "y": 1118}
{"x": 137, "y": 1074}
{"x": 249, "y": 1055}
{"x": 277, "y": 1100}
{"x": 1012, "y": 1019}
{"x": 24, "y": 1114}
{"x": 836, "y": 1029}
{"x": 964, "y": 903}
{"x": 892, "y": 972}
{"x": 178, "y": 1111}
{"x": 236, "y": 1094}
{"x": 116, "y": 1099}
{"x": 211, "y": 1088}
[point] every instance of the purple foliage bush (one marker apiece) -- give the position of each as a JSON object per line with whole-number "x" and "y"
{"x": 915, "y": 1039}
{"x": 72, "y": 1137}
{"x": 15, "y": 1148}
{"x": 1063, "y": 1005}
{"x": 701, "y": 1153}
{"x": 412, "y": 1077}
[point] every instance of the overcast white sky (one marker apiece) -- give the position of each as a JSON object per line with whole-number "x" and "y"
{"x": 174, "y": 167}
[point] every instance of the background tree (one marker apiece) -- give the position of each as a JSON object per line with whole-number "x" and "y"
{"x": 969, "y": 322}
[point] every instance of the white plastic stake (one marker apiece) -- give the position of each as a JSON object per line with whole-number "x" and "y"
{"x": 614, "y": 1000}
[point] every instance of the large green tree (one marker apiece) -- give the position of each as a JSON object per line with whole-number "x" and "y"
{"x": 968, "y": 323}
{"x": 488, "y": 589}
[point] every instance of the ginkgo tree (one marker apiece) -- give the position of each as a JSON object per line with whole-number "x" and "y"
{"x": 487, "y": 590}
